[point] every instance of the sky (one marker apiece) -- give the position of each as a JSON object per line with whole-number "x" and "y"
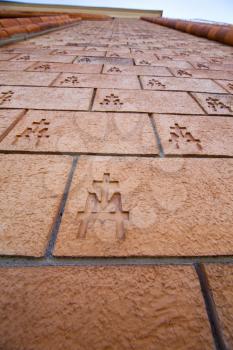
{"x": 213, "y": 10}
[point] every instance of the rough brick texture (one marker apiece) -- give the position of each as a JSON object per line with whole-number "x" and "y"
{"x": 115, "y": 149}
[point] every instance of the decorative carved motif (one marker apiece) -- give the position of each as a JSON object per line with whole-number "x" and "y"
{"x": 104, "y": 203}
{"x": 43, "y": 67}
{"x": 183, "y": 73}
{"x": 71, "y": 79}
{"x": 114, "y": 69}
{"x": 202, "y": 66}
{"x": 6, "y": 96}
{"x": 112, "y": 99}
{"x": 215, "y": 104}
{"x": 37, "y": 131}
{"x": 84, "y": 59}
{"x": 153, "y": 82}
{"x": 179, "y": 134}
{"x": 144, "y": 62}
{"x": 230, "y": 86}
{"x": 23, "y": 58}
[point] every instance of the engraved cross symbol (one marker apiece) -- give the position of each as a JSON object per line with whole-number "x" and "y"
{"x": 84, "y": 59}
{"x": 71, "y": 79}
{"x": 43, "y": 67}
{"x": 145, "y": 62}
{"x": 37, "y": 130}
{"x": 182, "y": 73}
{"x": 180, "y": 133}
{"x": 153, "y": 82}
{"x": 112, "y": 100}
{"x": 24, "y": 58}
{"x": 104, "y": 203}
{"x": 115, "y": 69}
{"x": 216, "y": 104}
{"x": 6, "y": 96}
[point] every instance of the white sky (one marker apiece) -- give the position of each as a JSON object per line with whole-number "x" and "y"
{"x": 215, "y": 10}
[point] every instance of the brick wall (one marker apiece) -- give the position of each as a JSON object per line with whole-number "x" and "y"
{"x": 116, "y": 190}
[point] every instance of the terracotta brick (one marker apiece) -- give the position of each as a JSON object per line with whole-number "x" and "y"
{"x": 11, "y": 66}
{"x": 65, "y": 67}
{"x": 44, "y": 58}
{"x": 89, "y": 53}
{"x": 98, "y": 81}
{"x": 7, "y": 56}
{"x": 135, "y": 70}
{"x": 137, "y": 307}
{"x": 215, "y": 103}
{"x": 103, "y": 60}
{"x": 179, "y": 84}
{"x": 45, "y": 98}
{"x": 145, "y": 101}
{"x": 220, "y": 279}
{"x": 195, "y": 135}
{"x": 227, "y": 85}
{"x": 156, "y": 207}
{"x": 83, "y": 132}
{"x": 201, "y": 73}
{"x": 30, "y": 198}
{"x": 177, "y": 64}
{"x": 7, "y": 120}
{"x": 26, "y": 78}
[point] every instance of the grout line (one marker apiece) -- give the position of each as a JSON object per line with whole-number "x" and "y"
{"x": 140, "y": 82}
{"x": 161, "y": 151}
{"x": 58, "y": 219}
{"x": 92, "y": 99}
{"x": 55, "y": 79}
{"x": 50, "y": 260}
{"x": 196, "y": 100}
{"x": 210, "y": 308}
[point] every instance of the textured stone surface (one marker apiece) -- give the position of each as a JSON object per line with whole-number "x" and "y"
{"x": 11, "y": 66}
{"x": 118, "y": 308}
{"x": 27, "y": 78}
{"x": 82, "y": 132}
{"x": 135, "y": 70}
{"x": 220, "y": 279}
{"x": 215, "y": 103}
{"x": 162, "y": 207}
{"x": 30, "y": 194}
{"x": 154, "y": 62}
{"x": 65, "y": 67}
{"x": 44, "y": 58}
{"x": 46, "y": 98}
{"x": 98, "y": 81}
{"x": 177, "y": 84}
{"x": 227, "y": 85}
{"x": 103, "y": 60}
{"x": 201, "y": 73}
{"x": 195, "y": 134}
{"x": 145, "y": 101}
{"x": 8, "y": 120}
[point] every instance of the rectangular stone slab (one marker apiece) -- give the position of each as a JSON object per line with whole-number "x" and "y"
{"x": 200, "y": 135}
{"x": 103, "y": 60}
{"x": 202, "y": 73}
{"x": 103, "y": 81}
{"x": 11, "y": 66}
{"x": 27, "y": 78}
{"x": 65, "y": 67}
{"x": 46, "y": 58}
{"x": 90, "y": 132}
{"x": 135, "y": 70}
{"x": 162, "y": 63}
{"x": 179, "y": 84}
{"x": 45, "y": 98}
{"x": 69, "y": 307}
{"x": 220, "y": 278}
{"x": 30, "y": 195}
{"x": 217, "y": 104}
{"x": 145, "y": 101}
{"x": 155, "y": 207}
